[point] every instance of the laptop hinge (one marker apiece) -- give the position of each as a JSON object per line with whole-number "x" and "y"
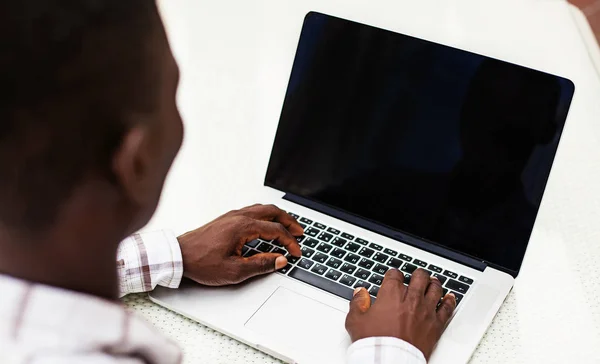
{"x": 390, "y": 233}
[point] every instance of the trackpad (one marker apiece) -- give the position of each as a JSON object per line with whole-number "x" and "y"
{"x": 291, "y": 318}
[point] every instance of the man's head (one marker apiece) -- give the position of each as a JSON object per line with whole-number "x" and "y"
{"x": 87, "y": 98}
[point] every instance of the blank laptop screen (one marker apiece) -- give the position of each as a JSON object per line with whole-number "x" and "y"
{"x": 446, "y": 145}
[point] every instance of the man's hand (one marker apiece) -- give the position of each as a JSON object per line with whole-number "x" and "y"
{"x": 408, "y": 313}
{"x": 212, "y": 254}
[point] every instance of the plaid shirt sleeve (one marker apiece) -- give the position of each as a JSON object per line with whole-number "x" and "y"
{"x": 145, "y": 260}
{"x": 384, "y": 350}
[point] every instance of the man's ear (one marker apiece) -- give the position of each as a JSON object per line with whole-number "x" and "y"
{"x": 132, "y": 166}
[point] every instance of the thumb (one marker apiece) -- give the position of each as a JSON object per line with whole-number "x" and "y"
{"x": 260, "y": 264}
{"x": 361, "y": 302}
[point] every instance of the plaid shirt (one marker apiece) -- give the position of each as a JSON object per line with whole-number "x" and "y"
{"x": 49, "y": 325}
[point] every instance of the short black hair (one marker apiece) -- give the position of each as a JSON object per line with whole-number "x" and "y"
{"x": 70, "y": 70}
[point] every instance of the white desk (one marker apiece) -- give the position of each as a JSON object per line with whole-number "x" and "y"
{"x": 236, "y": 56}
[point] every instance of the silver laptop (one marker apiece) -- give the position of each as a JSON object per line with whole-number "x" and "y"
{"x": 394, "y": 153}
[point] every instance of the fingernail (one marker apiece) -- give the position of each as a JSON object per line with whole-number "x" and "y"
{"x": 280, "y": 262}
{"x": 451, "y": 295}
{"x": 356, "y": 290}
{"x": 432, "y": 277}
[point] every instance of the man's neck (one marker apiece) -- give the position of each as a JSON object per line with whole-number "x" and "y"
{"x": 85, "y": 269}
{"x": 78, "y": 253}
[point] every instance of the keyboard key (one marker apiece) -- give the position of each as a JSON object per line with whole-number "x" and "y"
{"x": 348, "y": 281}
{"x": 306, "y": 221}
{"x": 279, "y": 251}
{"x": 405, "y": 257}
{"x": 334, "y": 263}
{"x": 352, "y": 258}
{"x": 376, "y": 279}
{"x": 428, "y": 272}
{"x": 361, "y": 241}
{"x": 420, "y": 263}
{"x": 348, "y": 268}
{"x": 251, "y": 253}
{"x": 253, "y": 243}
{"x": 333, "y": 274}
{"x": 407, "y": 279}
{"x": 362, "y": 274}
{"x": 376, "y": 247}
{"x": 310, "y": 242}
{"x": 465, "y": 280}
{"x": 276, "y": 243}
{"x": 325, "y": 248}
{"x": 390, "y": 252}
{"x": 245, "y": 250}
{"x": 322, "y": 283}
{"x": 307, "y": 252}
{"x": 395, "y": 263}
{"x": 450, "y": 274}
{"x": 380, "y": 269}
{"x": 325, "y": 237}
{"x": 457, "y": 286}
{"x": 320, "y": 226}
{"x": 338, "y": 253}
{"x": 303, "y": 225}
{"x": 264, "y": 247}
{"x": 347, "y": 236}
{"x": 293, "y": 215}
{"x": 366, "y": 263}
{"x": 320, "y": 257}
{"x": 459, "y": 297}
{"x": 300, "y": 239}
{"x": 435, "y": 268}
{"x": 374, "y": 291}
{"x": 291, "y": 259}
{"x": 319, "y": 269}
{"x": 362, "y": 283}
{"x": 339, "y": 242}
{"x": 444, "y": 291}
{"x": 440, "y": 278}
{"x": 353, "y": 247}
{"x": 312, "y": 232}
{"x": 333, "y": 231}
{"x": 305, "y": 263}
{"x": 366, "y": 252}
{"x": 286, "y": 269}
{"x": 409, "y": 268}
{"x": 380, "y": 257}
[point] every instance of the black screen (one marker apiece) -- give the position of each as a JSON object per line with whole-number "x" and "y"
{"x": 446, "y": 145}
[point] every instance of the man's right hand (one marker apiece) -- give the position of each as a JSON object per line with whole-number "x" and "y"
{"x": 407, "y": 313}
{"x": 212, "y": 254}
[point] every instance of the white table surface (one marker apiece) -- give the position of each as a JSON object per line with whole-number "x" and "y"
{"x": 236, "y": 56}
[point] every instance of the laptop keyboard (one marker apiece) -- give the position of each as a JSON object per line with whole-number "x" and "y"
{"x": 338, "y": 262}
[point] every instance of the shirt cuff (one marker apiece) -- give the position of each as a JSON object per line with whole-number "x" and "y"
{"x": 384, "y": 350}
{"x": 147, "y": 260}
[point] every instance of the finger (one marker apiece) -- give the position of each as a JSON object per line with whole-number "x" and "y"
{"x": 418, "y": 283}
{"x": 446, "y": 309}
{"x": 258, "y": 264}
{"x": 273, "y": 213}
{"x": 433, "y": 293}
{"x": 360, "y": 302}
{"x": 273, "y": 231}
{"x": 392, "y": 287}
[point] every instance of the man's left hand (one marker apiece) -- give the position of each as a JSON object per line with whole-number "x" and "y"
{"x": 212, "y": 253}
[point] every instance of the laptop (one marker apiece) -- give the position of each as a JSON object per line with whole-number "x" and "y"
{"x": 393, "y": 152}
